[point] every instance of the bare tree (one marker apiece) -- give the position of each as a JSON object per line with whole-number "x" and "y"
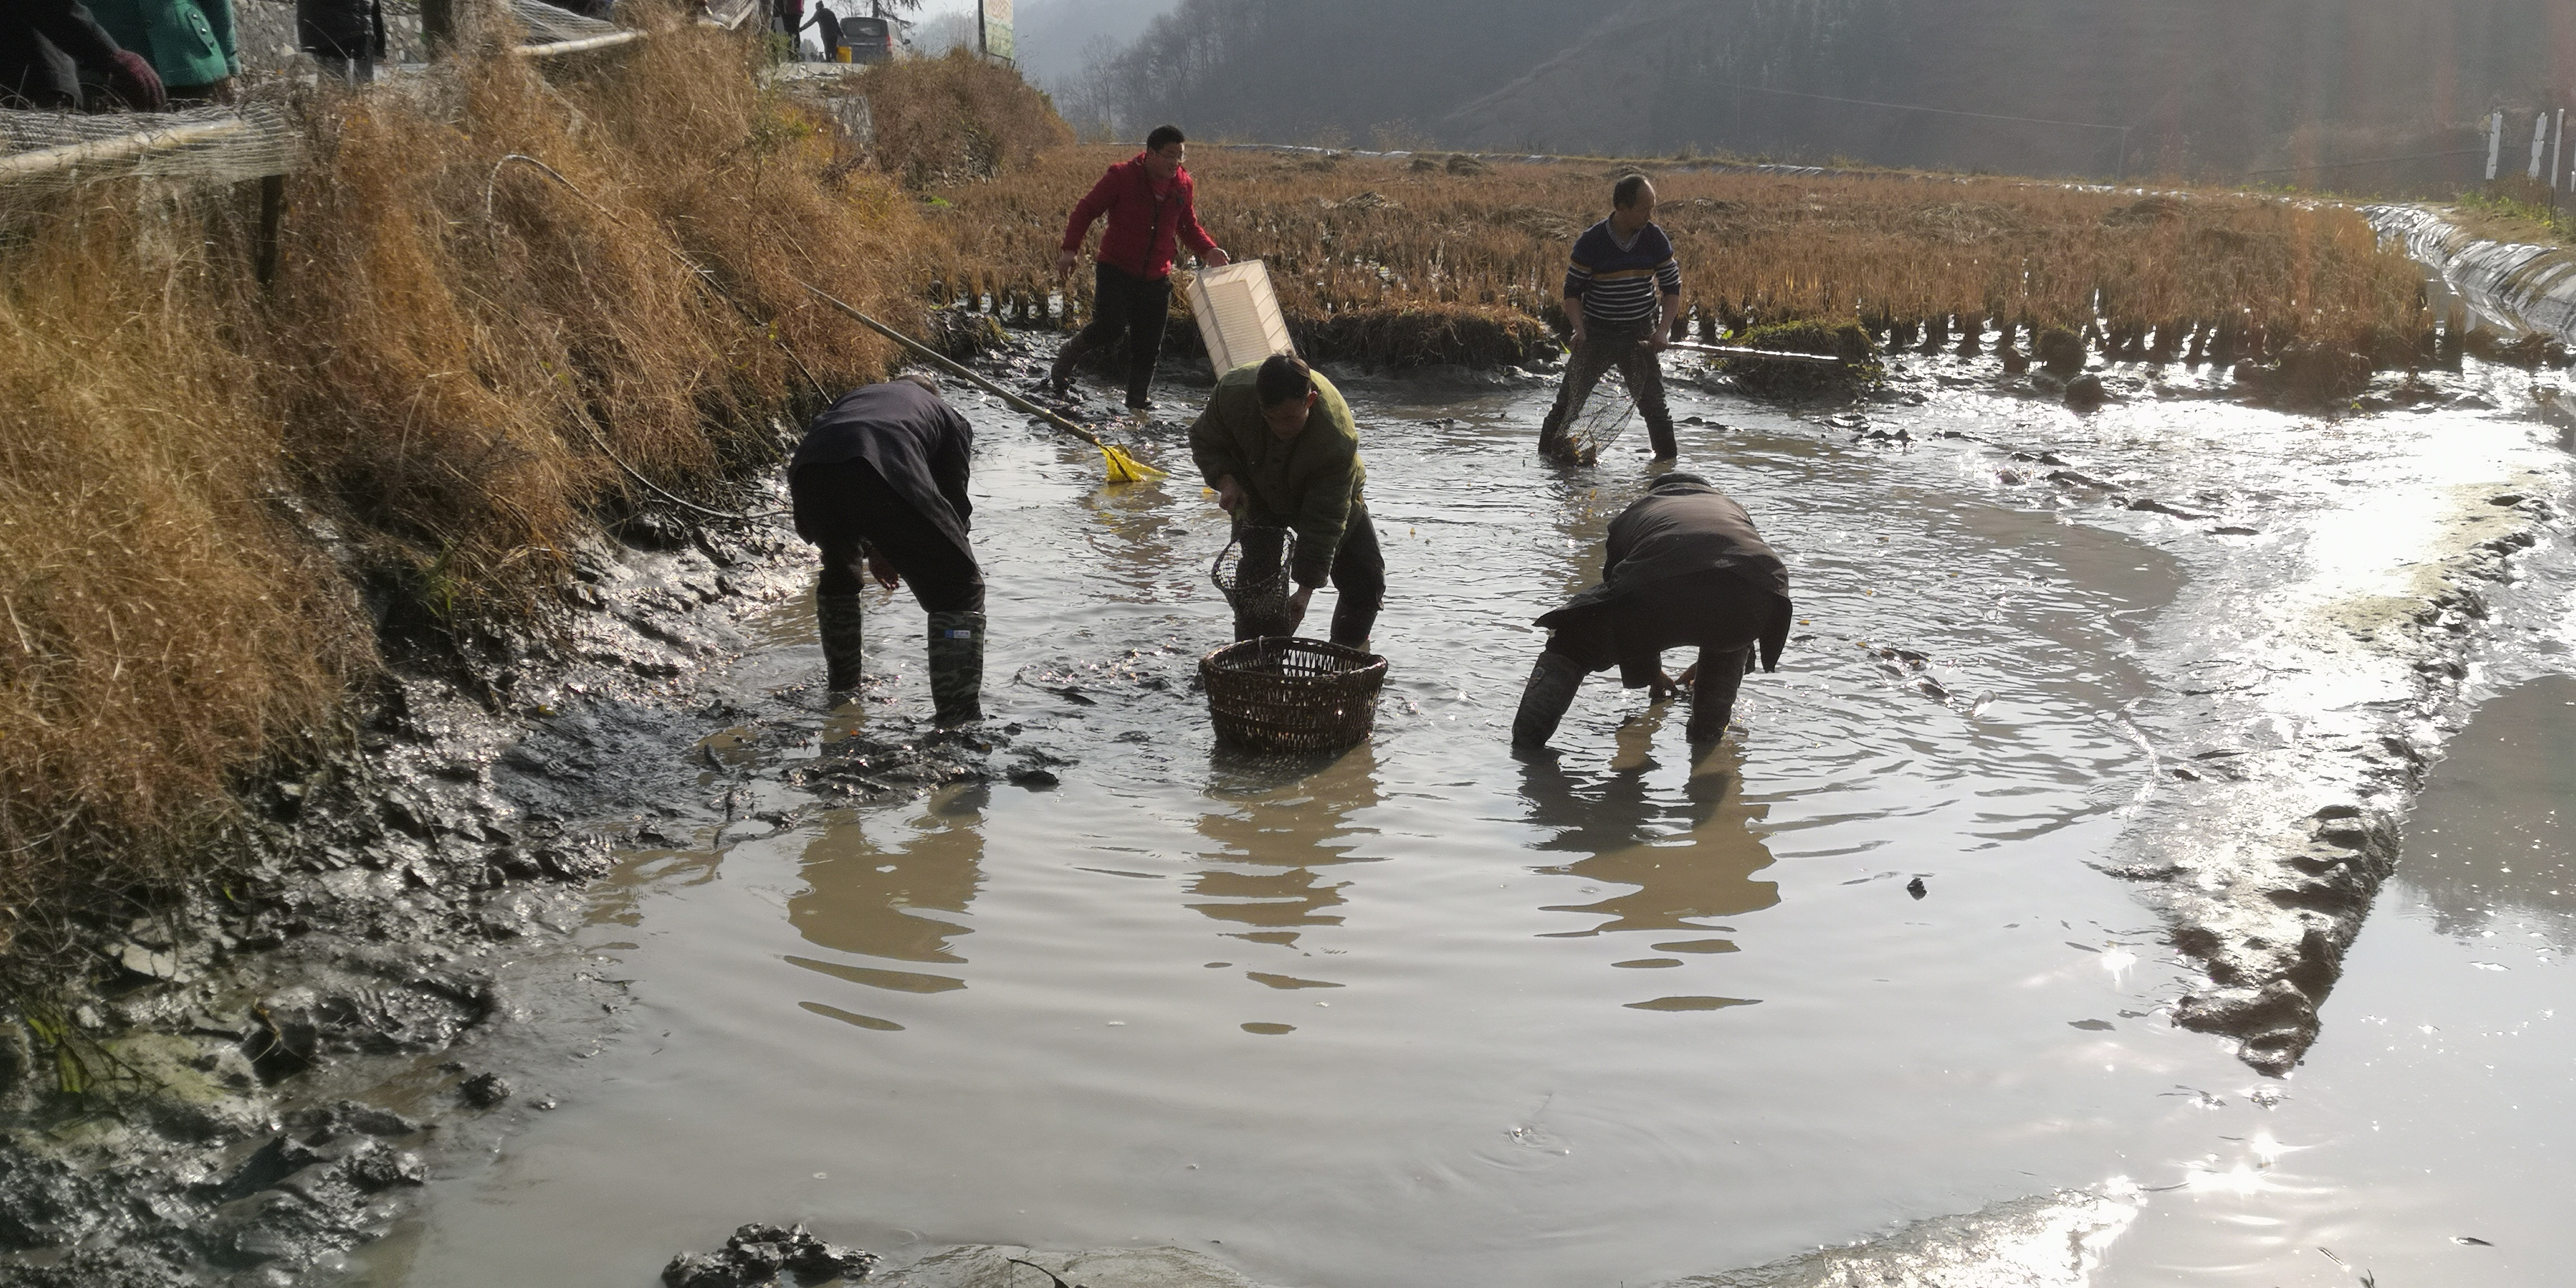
{"x": 1090, "y": 98}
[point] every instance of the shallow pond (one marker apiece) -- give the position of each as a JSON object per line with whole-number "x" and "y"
{"x": 1428, "y": 1013}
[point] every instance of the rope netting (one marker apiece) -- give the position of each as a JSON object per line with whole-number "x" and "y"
{"x": 50, "y": 150}
{"x": 549, "y": 25}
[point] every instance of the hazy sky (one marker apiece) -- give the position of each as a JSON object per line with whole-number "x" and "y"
{"x": 1053, "y": 32}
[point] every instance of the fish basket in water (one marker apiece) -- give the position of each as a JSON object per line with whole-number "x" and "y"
{"x": 1252, "y": 573}
{"x": 1292, "y": 695}
{"x": 1598, "y": 422}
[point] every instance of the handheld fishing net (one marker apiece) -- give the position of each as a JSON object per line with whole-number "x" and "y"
{"x": 1252, "y": 573}
{"x": 1603, "y": 416}
{"x": 53, "y": 151}
{"x": 551, "y": 24}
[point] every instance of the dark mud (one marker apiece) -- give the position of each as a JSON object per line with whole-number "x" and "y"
{"x": 254, "y": 1069}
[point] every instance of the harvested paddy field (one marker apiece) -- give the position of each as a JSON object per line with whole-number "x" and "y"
{"x": 1406, "y": 261}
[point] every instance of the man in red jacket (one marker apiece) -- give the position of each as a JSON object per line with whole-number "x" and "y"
{"x": 1150, "y": 205}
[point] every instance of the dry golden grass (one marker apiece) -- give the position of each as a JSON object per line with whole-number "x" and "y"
{"x": 1365, "y": 234}
{"x": 956, "y": 118}
{"x": 160, "y": 627}
{"x": 432, "y": 383}
{"x": 446, "y": 374}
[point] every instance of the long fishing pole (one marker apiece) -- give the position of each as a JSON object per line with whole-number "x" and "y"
{"x": 1730, "y": 351}
{"x": 1122, "y": 467}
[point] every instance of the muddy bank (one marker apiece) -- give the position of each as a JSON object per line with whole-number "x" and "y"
{"x": 257, "y": 1068}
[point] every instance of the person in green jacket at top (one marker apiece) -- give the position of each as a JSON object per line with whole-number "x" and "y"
{"x": 1278, "y": 445}
{"x": 189, "y": 42}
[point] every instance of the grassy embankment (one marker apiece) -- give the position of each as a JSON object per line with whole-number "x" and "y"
{"x": 1395, "y": 262}
{"x": 214, "y": 493}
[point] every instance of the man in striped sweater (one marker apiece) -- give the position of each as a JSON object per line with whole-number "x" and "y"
{"x": 1622, "y": 292}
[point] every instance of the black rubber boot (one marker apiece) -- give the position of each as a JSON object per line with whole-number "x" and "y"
{"x": 838, "y": 616}
{"x": 1059, "y": 381}
{"x": 957, "y": 667}
{"x": 1544, "y": 700}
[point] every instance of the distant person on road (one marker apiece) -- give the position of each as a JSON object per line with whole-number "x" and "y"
{"x": 45, "y": 45}
{"x": 827, "y": 31}
{"x": 1152, "y": 207}
{"x": 1683, "y": 568}
{"x": 1623, "y": 289}
{"x": 1278, "y": 445}
{"x": 346, "y": 37}
{"x": 190, "y": 42}
{"x": 880, "y": 485}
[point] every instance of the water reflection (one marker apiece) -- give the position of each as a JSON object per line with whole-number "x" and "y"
{"x": 873, "y": 900}
{"x": 1688, "y": 858}
{"x": 1137, "y": 526}
{"x": 1285, "y": 818}
{"x": 2492, "y": 828}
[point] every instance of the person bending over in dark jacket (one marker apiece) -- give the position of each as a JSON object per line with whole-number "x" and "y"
{"x": 1278, "y": 445}
{"x": 1152, "y": 205}
{"x": 1684, "y": 568}
{"x": 880, "y": 485}
{"x": 45, "y": 45}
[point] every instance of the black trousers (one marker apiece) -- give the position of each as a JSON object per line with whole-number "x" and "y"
{"x": 1605, "y": 346}
{"x": 1358, "y": 573}
{"x": 846, "y": 508}
{"x": 1123, "y": 302}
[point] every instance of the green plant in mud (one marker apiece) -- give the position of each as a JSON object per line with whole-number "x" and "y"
{"x": 1862, "y": 361}
{"x": 2525, "y": 201}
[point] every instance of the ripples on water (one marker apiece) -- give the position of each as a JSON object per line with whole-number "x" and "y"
{"x": 1425, "y": 1012}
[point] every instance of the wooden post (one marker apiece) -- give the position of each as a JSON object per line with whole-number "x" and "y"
{"x": 438, "y": 26}
{"x": 2495, "y": 142}
{"x": 2539, "y": 139}
{"x": 272, "y": 214}
{"x": 2558, "y": 150}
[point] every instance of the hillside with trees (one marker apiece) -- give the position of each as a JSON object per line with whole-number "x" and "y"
{"x": 2203, "y": 87}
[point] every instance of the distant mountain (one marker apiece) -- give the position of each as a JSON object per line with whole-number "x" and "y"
{"x": 2210, "y": 87}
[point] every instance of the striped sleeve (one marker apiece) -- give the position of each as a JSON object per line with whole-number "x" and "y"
{"x": 1578, "y": 275}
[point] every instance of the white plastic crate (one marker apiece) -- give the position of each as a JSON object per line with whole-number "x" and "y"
{"x": 1238, "y": 316}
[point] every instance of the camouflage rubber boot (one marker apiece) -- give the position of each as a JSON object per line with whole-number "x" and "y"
{"x": 957, "y": 667}
{"x": 838, "y": 615}
{"x": 1544, "y": 701}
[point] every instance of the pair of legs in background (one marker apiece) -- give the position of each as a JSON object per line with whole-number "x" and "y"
{"x": 1716, "y": 612}
{"x": 848, "y": 510}
{"x": 1121, "y": 303}
{"x": 1605, "y": 346}
{"x": 1358, "y": 576}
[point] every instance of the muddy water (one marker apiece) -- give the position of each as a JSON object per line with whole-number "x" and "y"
{"x": 1424, "y": 1012}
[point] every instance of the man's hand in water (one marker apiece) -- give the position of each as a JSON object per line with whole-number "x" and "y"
{"x": 1665, "y": 687}
{"x": 1229, "y": 494}
{"x": 883, "y": 571}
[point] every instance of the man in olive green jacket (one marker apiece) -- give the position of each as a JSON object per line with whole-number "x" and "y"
{"x": 191, "y": 42}
{"x": 1278, "y": 445}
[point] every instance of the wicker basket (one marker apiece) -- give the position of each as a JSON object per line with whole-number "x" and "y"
{"x": 1292, "y": 695}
